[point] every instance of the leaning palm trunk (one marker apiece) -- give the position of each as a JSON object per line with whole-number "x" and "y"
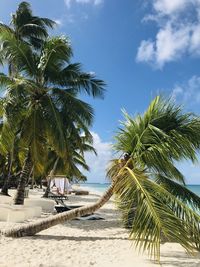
{"x": 35, "y": 227}
{"x": 19, "y": 197}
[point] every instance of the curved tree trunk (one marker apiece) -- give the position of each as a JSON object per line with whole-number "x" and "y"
{"x": 24, "y": 176}
{"x": 35, "y": 227}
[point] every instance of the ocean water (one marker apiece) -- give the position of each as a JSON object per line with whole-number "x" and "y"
{"x": 102, "y": 187}
{"x": 194, "y": 188}
{"x": 97, "y": 187}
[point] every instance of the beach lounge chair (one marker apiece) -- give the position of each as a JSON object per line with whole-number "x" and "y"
{"x": 63, "y": 207}
{"x": 57, "y": 197}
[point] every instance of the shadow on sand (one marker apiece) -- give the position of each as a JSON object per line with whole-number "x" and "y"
{"x": 179, "y": 259}
{"x": 74, "y": 238}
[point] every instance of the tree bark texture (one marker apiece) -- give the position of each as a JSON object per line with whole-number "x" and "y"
{"x": 19, "y": 197}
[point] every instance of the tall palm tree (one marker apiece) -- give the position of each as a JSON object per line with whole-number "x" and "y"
{"x": 48, "y": 85}
{"x": 27, "y": 27}
{"x": 147, "y": 177}
{"x": 30, "y": 29}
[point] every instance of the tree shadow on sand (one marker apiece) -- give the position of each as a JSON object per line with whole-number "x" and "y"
{"x": 74, "y": 238}
{"x": 179, "y": 259}
{"x": 94, "y": 225}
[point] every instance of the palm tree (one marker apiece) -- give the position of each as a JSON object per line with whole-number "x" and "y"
{"x": 8, "y": 144}
{"x": 32, "y": 30}
{"x": 27, "y": 27}
{"x": 47, "y": 87}
{"x": 147, "y": 177}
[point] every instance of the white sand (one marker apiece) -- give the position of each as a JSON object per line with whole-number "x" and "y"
{"x": 85, "y": 243}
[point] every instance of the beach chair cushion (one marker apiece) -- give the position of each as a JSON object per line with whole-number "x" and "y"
{"x": 16, "y": 215}
{"x": 47, "y": 205}
{"x": 13, "y": 213}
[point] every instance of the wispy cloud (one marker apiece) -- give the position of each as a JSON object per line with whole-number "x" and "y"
{"x": 99, "y": 163}
{"x": 188, "y": 93}
{"x": 59, "y": 22}
{"x": 71, "y": 18}
{"x": 178, "y": 32}
{"x": 91, "y": 2}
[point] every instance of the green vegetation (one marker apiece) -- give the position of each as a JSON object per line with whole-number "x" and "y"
{"x": 41, "y": 106}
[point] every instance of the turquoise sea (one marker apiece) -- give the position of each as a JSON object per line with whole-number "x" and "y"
{"x": 102, "y": 187}
{"x": 96, "y": 186}
{"x": 194, "y": 188}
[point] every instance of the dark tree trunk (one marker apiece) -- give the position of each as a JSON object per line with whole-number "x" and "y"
{"x": 4, "y": 190}
{"x": 41, "y": 183}
{"x": 19, "y": 197}
{"x": 46, "y": 193}
{"x": 31, "y": 177}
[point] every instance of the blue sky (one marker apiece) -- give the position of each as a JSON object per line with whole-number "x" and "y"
{"x": 139, "y": 48}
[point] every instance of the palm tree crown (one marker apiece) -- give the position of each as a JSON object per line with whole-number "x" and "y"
{"x": 28, "y": 27}
{"x": 150, "y": 188}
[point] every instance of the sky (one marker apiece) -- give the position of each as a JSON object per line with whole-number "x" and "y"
{"x": 139, "y": 48}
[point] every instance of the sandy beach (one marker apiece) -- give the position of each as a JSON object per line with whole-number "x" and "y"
{"x": 86, "y": 243}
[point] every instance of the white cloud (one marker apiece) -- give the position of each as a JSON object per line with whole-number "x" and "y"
{"x": 146, "y": 51}
{"x": 171, "y": 43}
{"x": 99, "y": 163}
{"x": 59, "y": 22}
{"x": 178, "y": 32}
{"x": 195, "y": 40}
{"x": 188, "y": 93}
{"x": 92, "y": 73}
{"x": 92, "y": 2}
{"x": 169, "y": 6}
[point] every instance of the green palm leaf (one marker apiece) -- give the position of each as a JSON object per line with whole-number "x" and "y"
{"x": 158, "y": 213}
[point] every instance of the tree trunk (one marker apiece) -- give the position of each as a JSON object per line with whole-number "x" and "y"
{"x": 52, "y": 172}
{"x": 35, "y": 227}
{"x": 19, "y": 197}
{"x": 4, "y": 190}
{"x": 32, "y": 178}
{"x": 41, "y": 183}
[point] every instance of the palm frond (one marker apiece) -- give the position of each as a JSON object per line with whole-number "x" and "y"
{"x": 18, "y": 52}
{"x": 180, "y": 191}
{"x": 54, "y": 127}
{"x": 55, "y": 53}
{"x": 158, "y": 213}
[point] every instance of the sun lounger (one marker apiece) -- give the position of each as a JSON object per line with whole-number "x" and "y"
{"x": 57, "y": 197}
{"x": 63, "y": 207}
